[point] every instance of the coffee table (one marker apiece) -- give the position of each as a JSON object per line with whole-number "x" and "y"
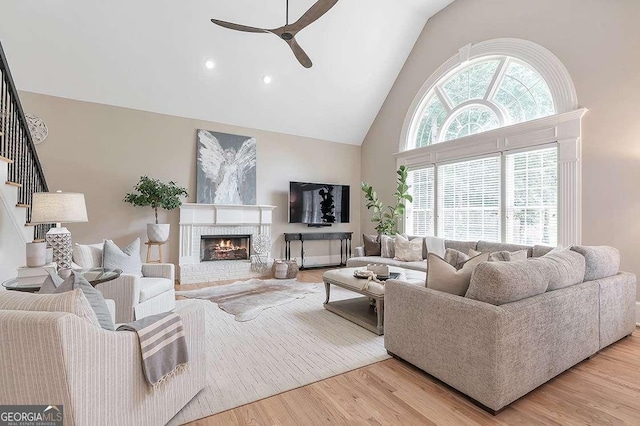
{"x": 359, "y": 309}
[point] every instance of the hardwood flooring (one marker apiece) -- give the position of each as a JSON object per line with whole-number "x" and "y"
{"x": 602, "y": 390}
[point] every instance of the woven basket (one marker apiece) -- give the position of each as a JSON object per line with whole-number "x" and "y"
{"x": 285, "y": 269}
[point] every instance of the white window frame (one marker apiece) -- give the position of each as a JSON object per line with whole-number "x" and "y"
{"x": 563, "y": 128}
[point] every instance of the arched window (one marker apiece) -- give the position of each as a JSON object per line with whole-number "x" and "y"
{"x": 492, "y": 144}
{"x": 483, "y": 95}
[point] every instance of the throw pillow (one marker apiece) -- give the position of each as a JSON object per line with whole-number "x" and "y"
{"x": 444, "y": 277}
{"x": 601, "y": 261}
{"x": 95, "y": 298}
{"x": 456, "y": 258}
{"x": 73, "y": 302}
{"x": 88, "y": 256}
{"x": 126, "y": 259}
{"x": 408, "y": 250}
{"x": 371, "y": 245}
{"x": 435, "y": 245}
{"x": 387, "y": 246}
{"x": 503, "y": 256}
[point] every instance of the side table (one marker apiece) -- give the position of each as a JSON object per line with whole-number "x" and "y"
{"x": 150, "y": 244}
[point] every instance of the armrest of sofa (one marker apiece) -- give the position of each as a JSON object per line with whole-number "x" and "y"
{"x": 125, "y": 292}
{"x": 159, "y": 270}
{"x": 494, "y": 354}
{"x": 358, "y": 251}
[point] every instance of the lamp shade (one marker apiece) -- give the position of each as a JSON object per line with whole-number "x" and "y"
{"x": 58, "y": 207}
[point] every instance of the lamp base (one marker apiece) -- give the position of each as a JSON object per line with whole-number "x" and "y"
{"x": 60, "y": 240}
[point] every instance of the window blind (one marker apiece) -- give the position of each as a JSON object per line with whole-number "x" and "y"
{"x": 469, "y": 200}
{"x": 531, "y": 200}
{"x": 420, "y": 214}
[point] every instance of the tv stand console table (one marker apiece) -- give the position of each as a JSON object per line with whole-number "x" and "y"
{"x": 345, "y": 245}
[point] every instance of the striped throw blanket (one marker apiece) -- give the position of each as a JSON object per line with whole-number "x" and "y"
{"x": 162, "y": 344}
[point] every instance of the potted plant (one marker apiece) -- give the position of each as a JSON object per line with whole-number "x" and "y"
{"x": 157, "y": 194}
{"x": 387, "y": 217}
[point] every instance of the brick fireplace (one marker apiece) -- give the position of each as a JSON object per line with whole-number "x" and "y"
{"x": 215, "y": 241}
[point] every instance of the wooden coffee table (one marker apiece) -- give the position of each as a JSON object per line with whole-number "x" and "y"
{"x": 359, "y": 310}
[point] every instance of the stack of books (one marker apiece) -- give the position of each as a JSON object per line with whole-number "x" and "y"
{"x": 30, "y": 277}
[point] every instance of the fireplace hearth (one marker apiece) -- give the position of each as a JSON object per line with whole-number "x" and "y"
{"x": 224, "y": 247}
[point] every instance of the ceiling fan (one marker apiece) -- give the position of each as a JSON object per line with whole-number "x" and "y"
{"x": 288, "y": 32}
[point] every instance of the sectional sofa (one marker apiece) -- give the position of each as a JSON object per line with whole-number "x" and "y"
{"x": 520, "y": 323}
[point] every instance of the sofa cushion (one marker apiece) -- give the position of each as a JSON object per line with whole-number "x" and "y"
{"x": 88, "y": 256}
{"x": 152, "y": 287}
{"x": 73, "y": 302}
{"x": 490, "y": 247}
{"x": 444, "y": 277}
{"x": 504, "y": 282}
{"x": 503, "y": 256}
{"x": 371, "y": 245}
{"x": 463, "y": 246}
{"x": 566, "y": 268}
{"x": 408, "y": 250}
{"x": 601, "y": 261}
{"x": 126, "y": 259}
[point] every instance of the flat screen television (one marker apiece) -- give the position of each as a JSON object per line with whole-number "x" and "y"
{"x": 318, "y": 204}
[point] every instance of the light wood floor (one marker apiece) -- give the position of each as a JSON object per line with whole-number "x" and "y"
{"x": 603, "y": 390}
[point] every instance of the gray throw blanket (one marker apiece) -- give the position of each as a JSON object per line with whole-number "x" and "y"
{"x": 162, "y": 344}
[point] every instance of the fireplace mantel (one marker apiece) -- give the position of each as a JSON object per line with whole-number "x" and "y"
{"x": 224, "y": 214}
{"x": 209, "y": 219}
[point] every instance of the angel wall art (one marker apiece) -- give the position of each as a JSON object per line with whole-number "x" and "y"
{"x": 226, "y": 168}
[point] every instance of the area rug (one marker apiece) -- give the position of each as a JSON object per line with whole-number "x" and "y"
{"x": 286, "y": 347}
{"x": 247, "y": 299}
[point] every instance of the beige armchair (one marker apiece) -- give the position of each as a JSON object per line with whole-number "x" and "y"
{"x": 57, "y": 358}
{"x": 139, "y": 297}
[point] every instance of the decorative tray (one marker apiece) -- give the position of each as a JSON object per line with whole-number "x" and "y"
{"x": 392, "y": 275}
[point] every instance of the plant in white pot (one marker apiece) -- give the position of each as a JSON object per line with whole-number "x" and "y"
{"x": 156, "y": 194}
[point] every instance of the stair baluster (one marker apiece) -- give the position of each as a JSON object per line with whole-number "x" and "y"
{"x": 17, "y": 145}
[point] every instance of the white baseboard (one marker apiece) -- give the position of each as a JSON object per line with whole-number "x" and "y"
{"x": 638, "y": 314}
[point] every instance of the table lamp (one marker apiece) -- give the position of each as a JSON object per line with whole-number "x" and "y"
{"x": 59, "y": 207}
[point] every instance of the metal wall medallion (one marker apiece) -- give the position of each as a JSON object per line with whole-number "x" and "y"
{"x": 38, "y": 128}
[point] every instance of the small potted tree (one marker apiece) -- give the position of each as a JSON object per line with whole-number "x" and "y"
{"x": 157, "y": 194}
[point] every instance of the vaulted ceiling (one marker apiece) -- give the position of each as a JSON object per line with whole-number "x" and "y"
{"x": 150, "y": 55}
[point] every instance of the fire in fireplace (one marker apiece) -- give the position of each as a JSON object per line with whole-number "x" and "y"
{"x": 224, "y": 247}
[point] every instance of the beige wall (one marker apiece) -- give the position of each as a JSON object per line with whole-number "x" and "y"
{"x": 599, "y": 43}
{"x": 102, "y": 151}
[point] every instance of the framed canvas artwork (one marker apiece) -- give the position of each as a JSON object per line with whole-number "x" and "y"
{"x": 226, "y": 168}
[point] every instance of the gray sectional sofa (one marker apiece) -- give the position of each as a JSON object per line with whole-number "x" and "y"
{"x": 495, "y": 351}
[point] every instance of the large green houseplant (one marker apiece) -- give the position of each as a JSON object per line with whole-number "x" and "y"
{"x": 386, "y": 218}
{"x": 157, "y": 195}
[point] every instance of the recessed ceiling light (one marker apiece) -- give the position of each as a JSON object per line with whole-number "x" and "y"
{"x": 267, "y": 79}
{"x": 209, "y": 64}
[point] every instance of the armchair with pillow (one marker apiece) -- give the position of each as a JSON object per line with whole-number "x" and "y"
{"x": 143, "y": 289}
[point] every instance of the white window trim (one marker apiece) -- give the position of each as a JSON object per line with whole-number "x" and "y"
{"x": 564, "y": 128}
{"x": 550, "y": 68}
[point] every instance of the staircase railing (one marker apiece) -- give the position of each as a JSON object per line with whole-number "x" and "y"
{"x": 16, "y": 144}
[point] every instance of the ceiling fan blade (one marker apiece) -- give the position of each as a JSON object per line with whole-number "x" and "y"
{"x": 314, "y": 13}
{"x": 300, "y": 54}
{"x": 239, "y": 27}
